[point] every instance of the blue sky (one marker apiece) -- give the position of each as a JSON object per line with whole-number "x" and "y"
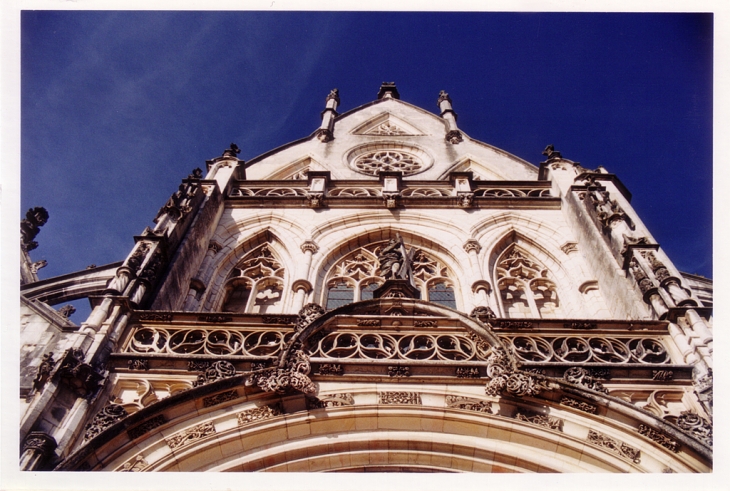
{"x": 118, "y": 107}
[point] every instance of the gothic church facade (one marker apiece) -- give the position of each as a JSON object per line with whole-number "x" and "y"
{"x": 386, "y": 294}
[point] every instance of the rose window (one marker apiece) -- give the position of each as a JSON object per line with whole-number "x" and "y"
{"x": 388, "y": 160}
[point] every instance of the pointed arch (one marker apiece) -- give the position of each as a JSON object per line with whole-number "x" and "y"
{"x": 253, "y": 277}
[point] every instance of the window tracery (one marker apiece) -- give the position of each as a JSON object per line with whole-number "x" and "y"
{"x": 356, "y": 276}
{"x": 524, "y": 286}
{"x": 255, "y": 284}
{"x": 388, "y": 160}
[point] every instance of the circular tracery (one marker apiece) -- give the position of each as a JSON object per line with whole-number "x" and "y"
{"x": 388, "y": 160}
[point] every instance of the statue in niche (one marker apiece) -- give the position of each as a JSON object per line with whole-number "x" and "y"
{"x": 395, "y": 262}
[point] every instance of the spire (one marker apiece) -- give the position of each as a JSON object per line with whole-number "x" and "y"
{"x": 388, "y": 90}
{"x": 325, "y": 131}
{"x": 453, "y": 135}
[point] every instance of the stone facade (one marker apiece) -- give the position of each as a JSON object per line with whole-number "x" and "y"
{"x": 434, "y": 302}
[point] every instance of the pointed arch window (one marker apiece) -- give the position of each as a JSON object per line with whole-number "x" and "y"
{"x": 526, "y": 291}
{"x": 256, "y": 284}
{"x": 356, "y": 276}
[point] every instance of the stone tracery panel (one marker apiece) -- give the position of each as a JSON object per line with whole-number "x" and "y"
{"x": 525, "y": 287}
{"x": 255, "y": 284}
{"x": 214, "y": 342}
{"x": 595, "y": 349}
{"x": 393, "y": 345}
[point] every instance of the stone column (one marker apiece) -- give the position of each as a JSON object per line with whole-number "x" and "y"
{"x": 302, "y": 287}
{"x": 688, "y": 352}
{"x": 37, "y": 447}
{"x": 699, "y": 326}
{"x": 325, "y": 132}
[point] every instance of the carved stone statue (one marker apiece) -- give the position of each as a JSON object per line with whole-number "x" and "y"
{"x": 551, "y": 153}
{"x": 395, "y": 262}
{"x": 35, "y": 218}
{"x": 232, "y": 152}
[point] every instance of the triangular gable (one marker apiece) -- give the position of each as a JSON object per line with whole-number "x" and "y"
{"x": 480, "y": 172}
{"x": 386, "y": 124}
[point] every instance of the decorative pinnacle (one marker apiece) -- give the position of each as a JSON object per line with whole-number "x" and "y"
{"x": 386, "y": 87}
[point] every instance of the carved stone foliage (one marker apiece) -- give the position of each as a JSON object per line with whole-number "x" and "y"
{"x": 214, "y": 400}
{"x": 108, "y": 415}
{"x": 307, "y": 314}
{"x": 40, "y": 442}
{"x": 330, "y": 369}
{"x": 581, "y": 376}
{"x": 30, "y": 226}
{"x": 542, "y": 420}
{"x": 190, "y": 435}
{"x": 662, "y": 375}
{"x": 138, "y": 464}
{"x": 368, "y": 322}
{"x": 502, "y": 324}
{"x": 469, "y": 404}
{"x": 399, "y": 398}
{"x": 584, "y": 349}
{"x": 138, "y": 364}
{"x": 399, "y": 371}
{"x": 645, "y": 284}
{"x": 212, "y": 371}
{"x": 279, "y": 319}
{"x": 504, "y": 378}
{"x": 258, "y": 413}
{"x": 44, "y": 371}
{"x": 155, "y": 317}
{"x": 659, "y": 438}
{"x": 585, "y": 325}
{"x": 615, "y": 446}
{"x": 207, "y": 341}
{"x": 696, "y": 426}
{"x": 146, "y": 427}
{"x": 293, "y": 375}
{"x": 395, "y": 345}
{"x": 79, "y": 376}
{"x": 330, "y": 400}
{"x": 467, "y": 372}
{"x": 579, "y": 405}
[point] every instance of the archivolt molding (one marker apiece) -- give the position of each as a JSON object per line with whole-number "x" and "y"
{"x": 257, "y": 427}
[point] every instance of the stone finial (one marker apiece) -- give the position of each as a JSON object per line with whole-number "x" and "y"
{"x": 443, "y": 96}
{"x": 334, "y": 94}
{"x": 198, "y": 172}
{"x": 388, "y": 88}
{"x": 231, "y": 152}
{"x": 34, "y": 219}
